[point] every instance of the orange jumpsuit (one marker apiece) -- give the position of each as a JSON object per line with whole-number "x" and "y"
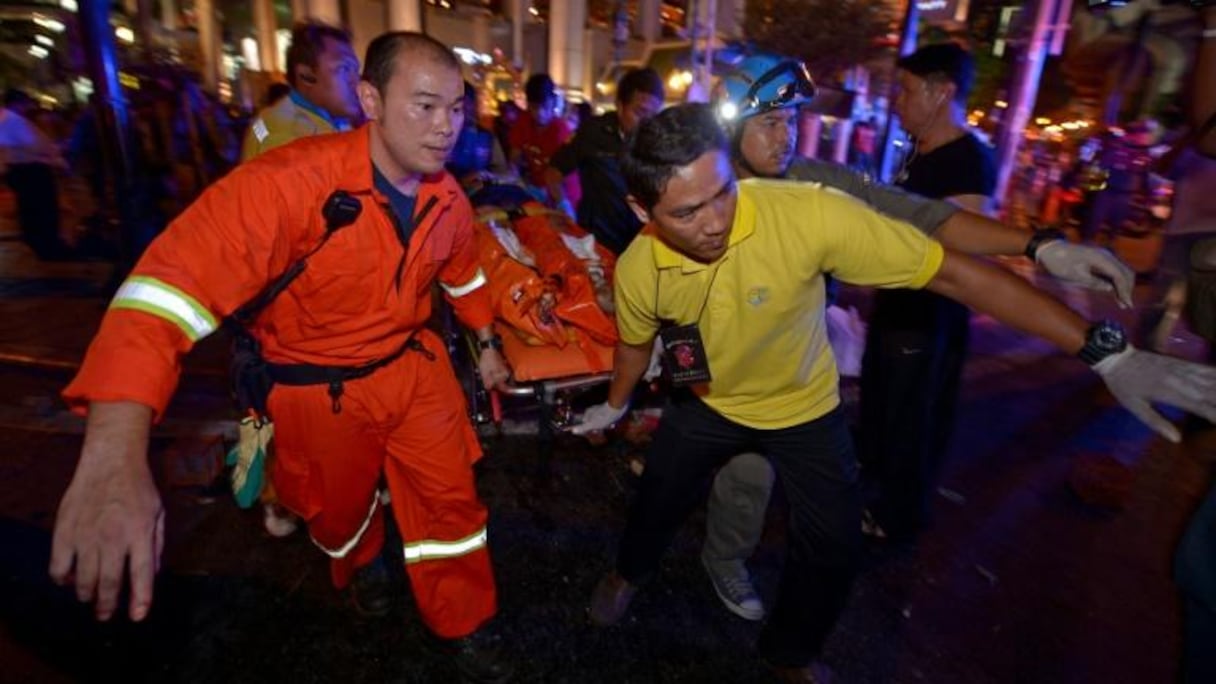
{"x": 359, "y": 298}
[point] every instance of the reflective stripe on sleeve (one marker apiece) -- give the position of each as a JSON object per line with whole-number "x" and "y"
{"x": 462, "y": 290}
{"x": 341, "y": 551}
{"x": 161, "y": 299}
{"x": 434, "y": 550}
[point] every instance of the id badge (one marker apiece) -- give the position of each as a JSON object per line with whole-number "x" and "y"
{"x": 684, "y": 356}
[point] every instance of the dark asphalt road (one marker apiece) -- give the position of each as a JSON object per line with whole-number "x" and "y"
{"x": 1019, "y": 581}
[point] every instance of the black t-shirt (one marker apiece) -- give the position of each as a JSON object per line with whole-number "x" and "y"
{"x": 595, "y": 153}
{"x": 964, "y": 166}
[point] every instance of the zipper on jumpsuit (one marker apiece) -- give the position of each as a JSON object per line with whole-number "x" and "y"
{"x": 336, "y": 388}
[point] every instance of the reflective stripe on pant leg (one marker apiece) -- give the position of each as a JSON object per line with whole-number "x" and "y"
{"x": 431, "y": 549}
{"x": 341, "y": 551}
{"x": 430, "y": 473}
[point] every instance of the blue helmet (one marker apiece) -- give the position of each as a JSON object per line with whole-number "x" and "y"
{"x": 761, "y": 83}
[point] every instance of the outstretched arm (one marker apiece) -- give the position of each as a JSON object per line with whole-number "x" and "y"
{"x": 1134, "y": 377}
{"x": 973, "y": 233}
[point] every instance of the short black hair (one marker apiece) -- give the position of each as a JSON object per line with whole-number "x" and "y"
{"x": 307, "y": 44}
{"x": 538, "y": 88}
{"x": 383, "y": 50}
{"x": 671, "y": 139}
{"x": 639, "y": 81}
{"x": 943, "y": 62}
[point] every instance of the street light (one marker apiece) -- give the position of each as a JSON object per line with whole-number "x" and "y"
{"x": 49, "y": 23}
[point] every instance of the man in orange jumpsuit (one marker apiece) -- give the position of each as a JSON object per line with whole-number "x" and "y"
{"x": 362, "y": 299}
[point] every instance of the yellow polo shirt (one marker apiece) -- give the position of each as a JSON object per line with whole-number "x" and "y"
{"x": 761, "y": 304}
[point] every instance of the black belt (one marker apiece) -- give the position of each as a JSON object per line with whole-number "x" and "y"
{"x": 306, "y": 374}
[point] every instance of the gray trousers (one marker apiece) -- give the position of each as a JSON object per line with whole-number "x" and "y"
{"x": 734, "y": 519}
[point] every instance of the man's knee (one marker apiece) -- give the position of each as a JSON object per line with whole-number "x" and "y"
{"x": 749, "y": 471}
{"x": 1203, "y": 256}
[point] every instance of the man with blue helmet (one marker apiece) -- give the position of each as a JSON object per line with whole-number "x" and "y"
{"x": 758, "y": 105}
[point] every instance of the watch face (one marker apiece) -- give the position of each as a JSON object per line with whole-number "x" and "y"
{"x": 1109, "y": 337}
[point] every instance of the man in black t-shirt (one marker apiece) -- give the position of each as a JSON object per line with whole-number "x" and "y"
{"x": 594, "y": 153}
{"x": 917, "y": 341}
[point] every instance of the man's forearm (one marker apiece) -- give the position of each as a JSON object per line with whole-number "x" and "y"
{"x": 925, "y": 214}
{"x": 553, "y": 183}
{"x": 972, "y": 233}
{"x": 629, "y": 363}
{"x": 116, "y": 430}
{"x": 1009, "y": 299}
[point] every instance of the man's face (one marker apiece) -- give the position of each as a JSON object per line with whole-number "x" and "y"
{"x": 767, "y": 142}
{"x": 919, "y": 101}
{"x": 695, "y": 211}
{"x": 419, "y": 113}
{"x": 543, "y": 112}
{"x": 641, "y": 106}
{"x": 333, "y": 84}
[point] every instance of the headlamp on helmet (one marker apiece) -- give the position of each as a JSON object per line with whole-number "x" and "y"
{"x": 762, "y": 83}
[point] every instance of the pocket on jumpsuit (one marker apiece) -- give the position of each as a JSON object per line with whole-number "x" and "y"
{"x": 332, "y": 292}
{"x": 290, "y": 470}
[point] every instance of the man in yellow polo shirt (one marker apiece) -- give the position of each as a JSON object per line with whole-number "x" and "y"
{"x": 729, "y": 275}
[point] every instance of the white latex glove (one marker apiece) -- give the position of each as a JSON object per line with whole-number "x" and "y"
{"x": 1090, "y": 267}
{"x": 599, "y": 417}
{"x": 1137, "y": 378}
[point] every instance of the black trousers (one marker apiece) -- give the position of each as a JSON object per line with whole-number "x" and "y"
{"x": 36, "y": 191}
{"x": 1195, "y": 573}
{"x": 916, "y": 346}
{"x": 817, "y": 469}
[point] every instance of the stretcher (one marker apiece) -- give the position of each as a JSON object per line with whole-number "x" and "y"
{"x": 550, "y": 286}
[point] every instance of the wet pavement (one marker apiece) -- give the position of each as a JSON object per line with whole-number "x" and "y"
{"x": 1018, "y": 581}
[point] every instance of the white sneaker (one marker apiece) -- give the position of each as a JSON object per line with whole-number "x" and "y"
{"x": 278, "y": 521}
{"x": 736, "y": 592}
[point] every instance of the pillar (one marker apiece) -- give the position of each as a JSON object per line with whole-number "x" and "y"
{"x": 265, "y": 25}
{"x": 649, "y": 24}
{"x": 567, "y": 44}
{"x": 809, "y": 127}
{"x": 517, "y": 12}
{"x": 404, "y": 15}
{"x": 209, "y": 44}
{"x": 168, "y": 14}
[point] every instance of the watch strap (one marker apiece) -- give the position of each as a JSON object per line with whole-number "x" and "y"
{"x": 1093, "y": 351}
{"x": 1040, "y": 238}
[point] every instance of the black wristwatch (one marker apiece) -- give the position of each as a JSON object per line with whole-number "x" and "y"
{"x": 1040, "y": 238}
{"x": 1103, "y": 339}
{"x": 493, "y": 342}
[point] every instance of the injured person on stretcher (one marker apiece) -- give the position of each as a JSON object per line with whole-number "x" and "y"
{"x": 550, "y": 286}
